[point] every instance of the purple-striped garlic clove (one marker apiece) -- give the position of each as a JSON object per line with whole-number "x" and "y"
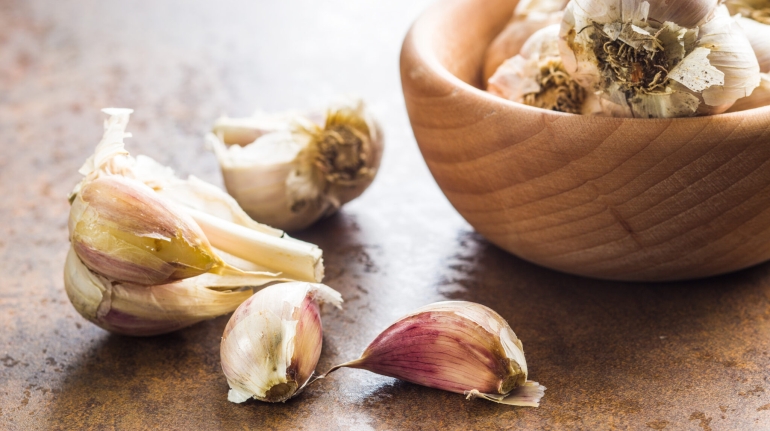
{"x": 136, "y": 310}
{"x": 456, "y": 346}
{"x": 271, "y": 345}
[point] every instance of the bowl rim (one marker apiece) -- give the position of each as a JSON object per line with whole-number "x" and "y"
{"x": 419, "y": 38}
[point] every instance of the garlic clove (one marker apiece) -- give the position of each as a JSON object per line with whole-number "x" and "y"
{"x": 291, "y": 176}
{"x": 271, "y": 345}
{"x": 120, "y": 228}
{"x": 528, "y": 17}
{"x": 456, "y": 346}
{"x": 137, "y": 310}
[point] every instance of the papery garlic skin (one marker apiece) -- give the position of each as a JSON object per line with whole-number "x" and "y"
{"x": 138, "y": 310}
{"x": 528, "y": 17}
{"x": 658, "y": 59}
{"x": 121, "y": 229}
{"x": 536, "y": 77}
{"x": 456, "y": 346}
{"x": 271, "y": 345}
{"x": 297, "y": 172}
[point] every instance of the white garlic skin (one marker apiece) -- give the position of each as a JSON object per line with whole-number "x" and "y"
{"x": 271, "y": 345}
{"x": 727, "y": 71}
{"x": 759, "y": 98}
{"x": 759, "y": 37}
{"x": 275, "y": 178}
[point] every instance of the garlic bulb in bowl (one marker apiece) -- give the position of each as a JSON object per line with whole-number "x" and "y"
{"x": 296, "y": 170}
{"x": 536, "y": 77}
{"x": 657, "y": 60}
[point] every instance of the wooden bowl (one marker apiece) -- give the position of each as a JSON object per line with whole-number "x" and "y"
{"x": 622, "y": 199}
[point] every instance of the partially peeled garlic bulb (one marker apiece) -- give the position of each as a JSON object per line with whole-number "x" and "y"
{"x": 137, "y": 310}
{"x": 456, "y": 346}
{"x": 528, "y": 17}
{"x": 536, "y": 77}
{"x": 658, "y": 59}
{"x": 271, "y": 345}
{"x": 132, "y": 220}
{"x": 152, "y": 253}
{"x": 288, "y": 171}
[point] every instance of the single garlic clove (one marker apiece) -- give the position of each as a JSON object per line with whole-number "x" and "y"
{"x": 121, "y": 229}
{"x": 528, "y": 17}
{"x": 271, "y": 345}
{"x": 456, "y": 346}
{"x": 137, "y": 310}
{"x": 291, "y": 176}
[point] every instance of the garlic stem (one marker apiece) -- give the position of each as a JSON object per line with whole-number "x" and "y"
{"x": 293, "y": 258}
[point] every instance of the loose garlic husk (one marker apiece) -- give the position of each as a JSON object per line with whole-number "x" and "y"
{"x": 456, "y": 346}
{"x": 536, "y": 77}
{"x": 294, "y": 171}
{"x": 528, "y": 17}
{"x": 139, "y": 310}
{"x": 658, "y": 59}
{"x": 272, "y": 343}
{"x": 132, "y": 220}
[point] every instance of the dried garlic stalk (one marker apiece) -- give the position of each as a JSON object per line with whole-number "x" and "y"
{"x": 288, "y": 171}
{"x": 658, "y": 59}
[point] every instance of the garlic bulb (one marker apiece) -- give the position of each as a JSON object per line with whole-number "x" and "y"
{"x": 755, "y": 20}
{"x": 536, "y": 77}
{"x": 528, "y": 17}
{"x": 658, "y": 58}
{"x": 294, "y": 171}
{"x": 456, "y": 346}
{"x": 759, "y": 98}
{"x": 138, "y": 310}
{"x": 272, "y": 343}
{"x": 132, "y": 220}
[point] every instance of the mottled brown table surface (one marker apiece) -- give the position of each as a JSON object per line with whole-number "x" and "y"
{"x": 679, "y": 356}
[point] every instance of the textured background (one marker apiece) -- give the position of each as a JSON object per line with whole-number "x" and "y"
{"x": 692, "y": 355}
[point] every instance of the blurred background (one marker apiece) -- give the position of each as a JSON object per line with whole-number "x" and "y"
{"x": 690, "y": 355}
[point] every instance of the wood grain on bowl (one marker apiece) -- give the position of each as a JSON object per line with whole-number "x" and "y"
{"x": 624, "y": 199}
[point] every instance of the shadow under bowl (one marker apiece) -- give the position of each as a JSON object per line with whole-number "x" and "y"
{"x": 612, "y": 198}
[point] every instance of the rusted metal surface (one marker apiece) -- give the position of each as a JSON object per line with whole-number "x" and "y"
{"x": 690, "y": 355}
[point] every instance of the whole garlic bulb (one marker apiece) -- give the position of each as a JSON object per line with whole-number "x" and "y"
{"x": 659, "y": 58}
{"x": 296, "y": 171}
{"x": 271, "y": 345}
{"x": 528, "y": 17}
{"x": 536, "y": 77}
{"x": 456, "y": 346}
